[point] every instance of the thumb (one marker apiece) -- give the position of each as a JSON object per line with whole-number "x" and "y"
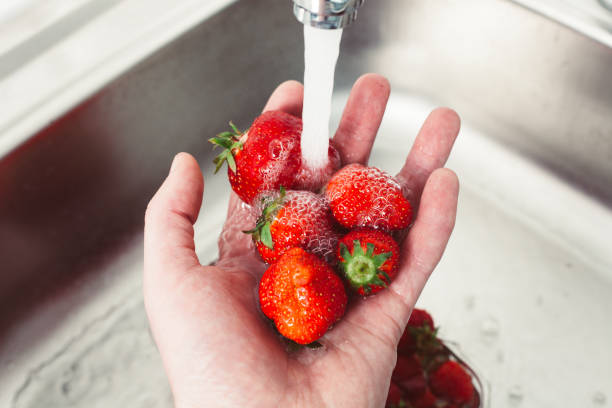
{"x": 168, "y": 236}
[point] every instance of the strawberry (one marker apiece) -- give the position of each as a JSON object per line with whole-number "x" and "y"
{"x": 265, "y": 157}
{"x": 362, "y": 196}
{"x": 409, "y": 376}
{"x": 268, "y": 156}
{"x": 395, "y": 395}
{"x": 369, "y": 259}
{"x": 302, "y": 295}
{"x": 450, "y": 381}
{"x": 425, "y": 400}
{"x": 294, "y": 219}
{"x": 419, "y": 335}
{"x": 420, "y": 318}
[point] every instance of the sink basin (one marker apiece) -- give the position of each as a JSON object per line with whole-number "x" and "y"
{"x": 525, "y": 288}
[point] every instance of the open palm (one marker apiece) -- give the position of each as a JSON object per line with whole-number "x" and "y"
{"x": 218, "y": 349}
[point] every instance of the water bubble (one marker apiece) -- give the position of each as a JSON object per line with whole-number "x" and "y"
{"x": 75, "y": 382}
{"x": 275, "y": 148}
{"x": 489, "y": 330}
{"x": 500, "y": 356}
{"x": 599, "y": 398}
{"x": 470, "y": 302}
{"x": 515, "y": 395}
{"x": 301, "y": 294}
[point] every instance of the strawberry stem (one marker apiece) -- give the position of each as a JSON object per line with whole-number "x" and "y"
{"x": 261, "y": 232}
{"x": 230, "y": 142}
{"x": 362, "y": 269}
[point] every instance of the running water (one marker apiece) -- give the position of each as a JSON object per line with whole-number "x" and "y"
{"x": 321, "y": 47}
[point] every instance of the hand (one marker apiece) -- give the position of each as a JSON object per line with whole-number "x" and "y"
{"x": 217, "y": 348}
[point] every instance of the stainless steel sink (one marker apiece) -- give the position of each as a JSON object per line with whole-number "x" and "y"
{"x": 525, "y": 288}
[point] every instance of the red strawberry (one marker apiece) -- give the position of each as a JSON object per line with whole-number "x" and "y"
{"x": 367, "y": 197}
{"x": 419, "y": 335}
{"x": 369, "y": 259}
{"x": 425, "y": 400}
{"x": 450, "y": 381}
{"x": 264, "y": 158}
{"x": 269, "y": 156}
{"x": 409, "y": 376}
{"x": 294, "y": 219}
{"x": 395, "y": 395}
{"x": 420, "y": 318}
{"x": 302, "y": 295}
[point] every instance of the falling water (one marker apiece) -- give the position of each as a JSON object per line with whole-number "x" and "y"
{"x": 321, "y": 47}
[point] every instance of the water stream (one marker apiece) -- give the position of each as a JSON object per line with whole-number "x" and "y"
{"x": 321, "y": 47}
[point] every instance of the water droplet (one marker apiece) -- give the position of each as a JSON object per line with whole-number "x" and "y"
{"x": 500, "y": 356}
{"x": 470, "y": 302}
{"x": 489, "y": 330}
{"x": 599, "y": 398}
{"x": 515, "y": 395}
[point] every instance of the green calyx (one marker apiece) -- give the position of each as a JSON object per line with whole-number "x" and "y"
{"x": 362, "y": 269}
{"x": 426, "y": 341}
{"x": 230, "y": 142}
{"x": 261, "y": 232}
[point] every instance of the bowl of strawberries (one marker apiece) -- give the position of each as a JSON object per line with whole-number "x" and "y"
{"x": 428, "y": 374}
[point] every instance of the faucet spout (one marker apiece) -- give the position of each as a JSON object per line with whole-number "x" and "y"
{"x": 327, "y": 14}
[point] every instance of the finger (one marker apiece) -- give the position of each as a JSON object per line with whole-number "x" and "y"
{"x": 429, "y": 235}
{"x": 169, "y": 219}
{"x": 287, "y": 97}
{"x": 388, "y": 311}
{"x": 430, "y": 151}
{"x": 361, "y": 118}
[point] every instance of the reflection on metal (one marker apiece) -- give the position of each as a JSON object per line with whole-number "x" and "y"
{"x": 534, "y": 159}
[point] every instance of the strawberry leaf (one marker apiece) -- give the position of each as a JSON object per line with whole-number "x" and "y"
{"x": 271, "y": 206}
{"x": 380, "y": 259}
{"x": 346, "y": 255}
{"x": 230, "y": 142}
{"x": 234, "y": 128}
{"x": 266, "y": 236}
{"x": 231, "y": 163}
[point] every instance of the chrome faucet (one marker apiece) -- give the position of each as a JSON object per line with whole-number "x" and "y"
{"x": 329, "y": 14}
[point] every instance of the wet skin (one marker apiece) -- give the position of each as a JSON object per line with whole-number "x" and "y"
{"x": 216, "y": 347}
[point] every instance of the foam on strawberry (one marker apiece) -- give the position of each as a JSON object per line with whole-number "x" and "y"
{"x": 382, "y": 206}
{"x": 366, "y": 182}
{"x": 320, "y": 238}
{"x": 279, "y": 151}
{"x": 313, "y": 178}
